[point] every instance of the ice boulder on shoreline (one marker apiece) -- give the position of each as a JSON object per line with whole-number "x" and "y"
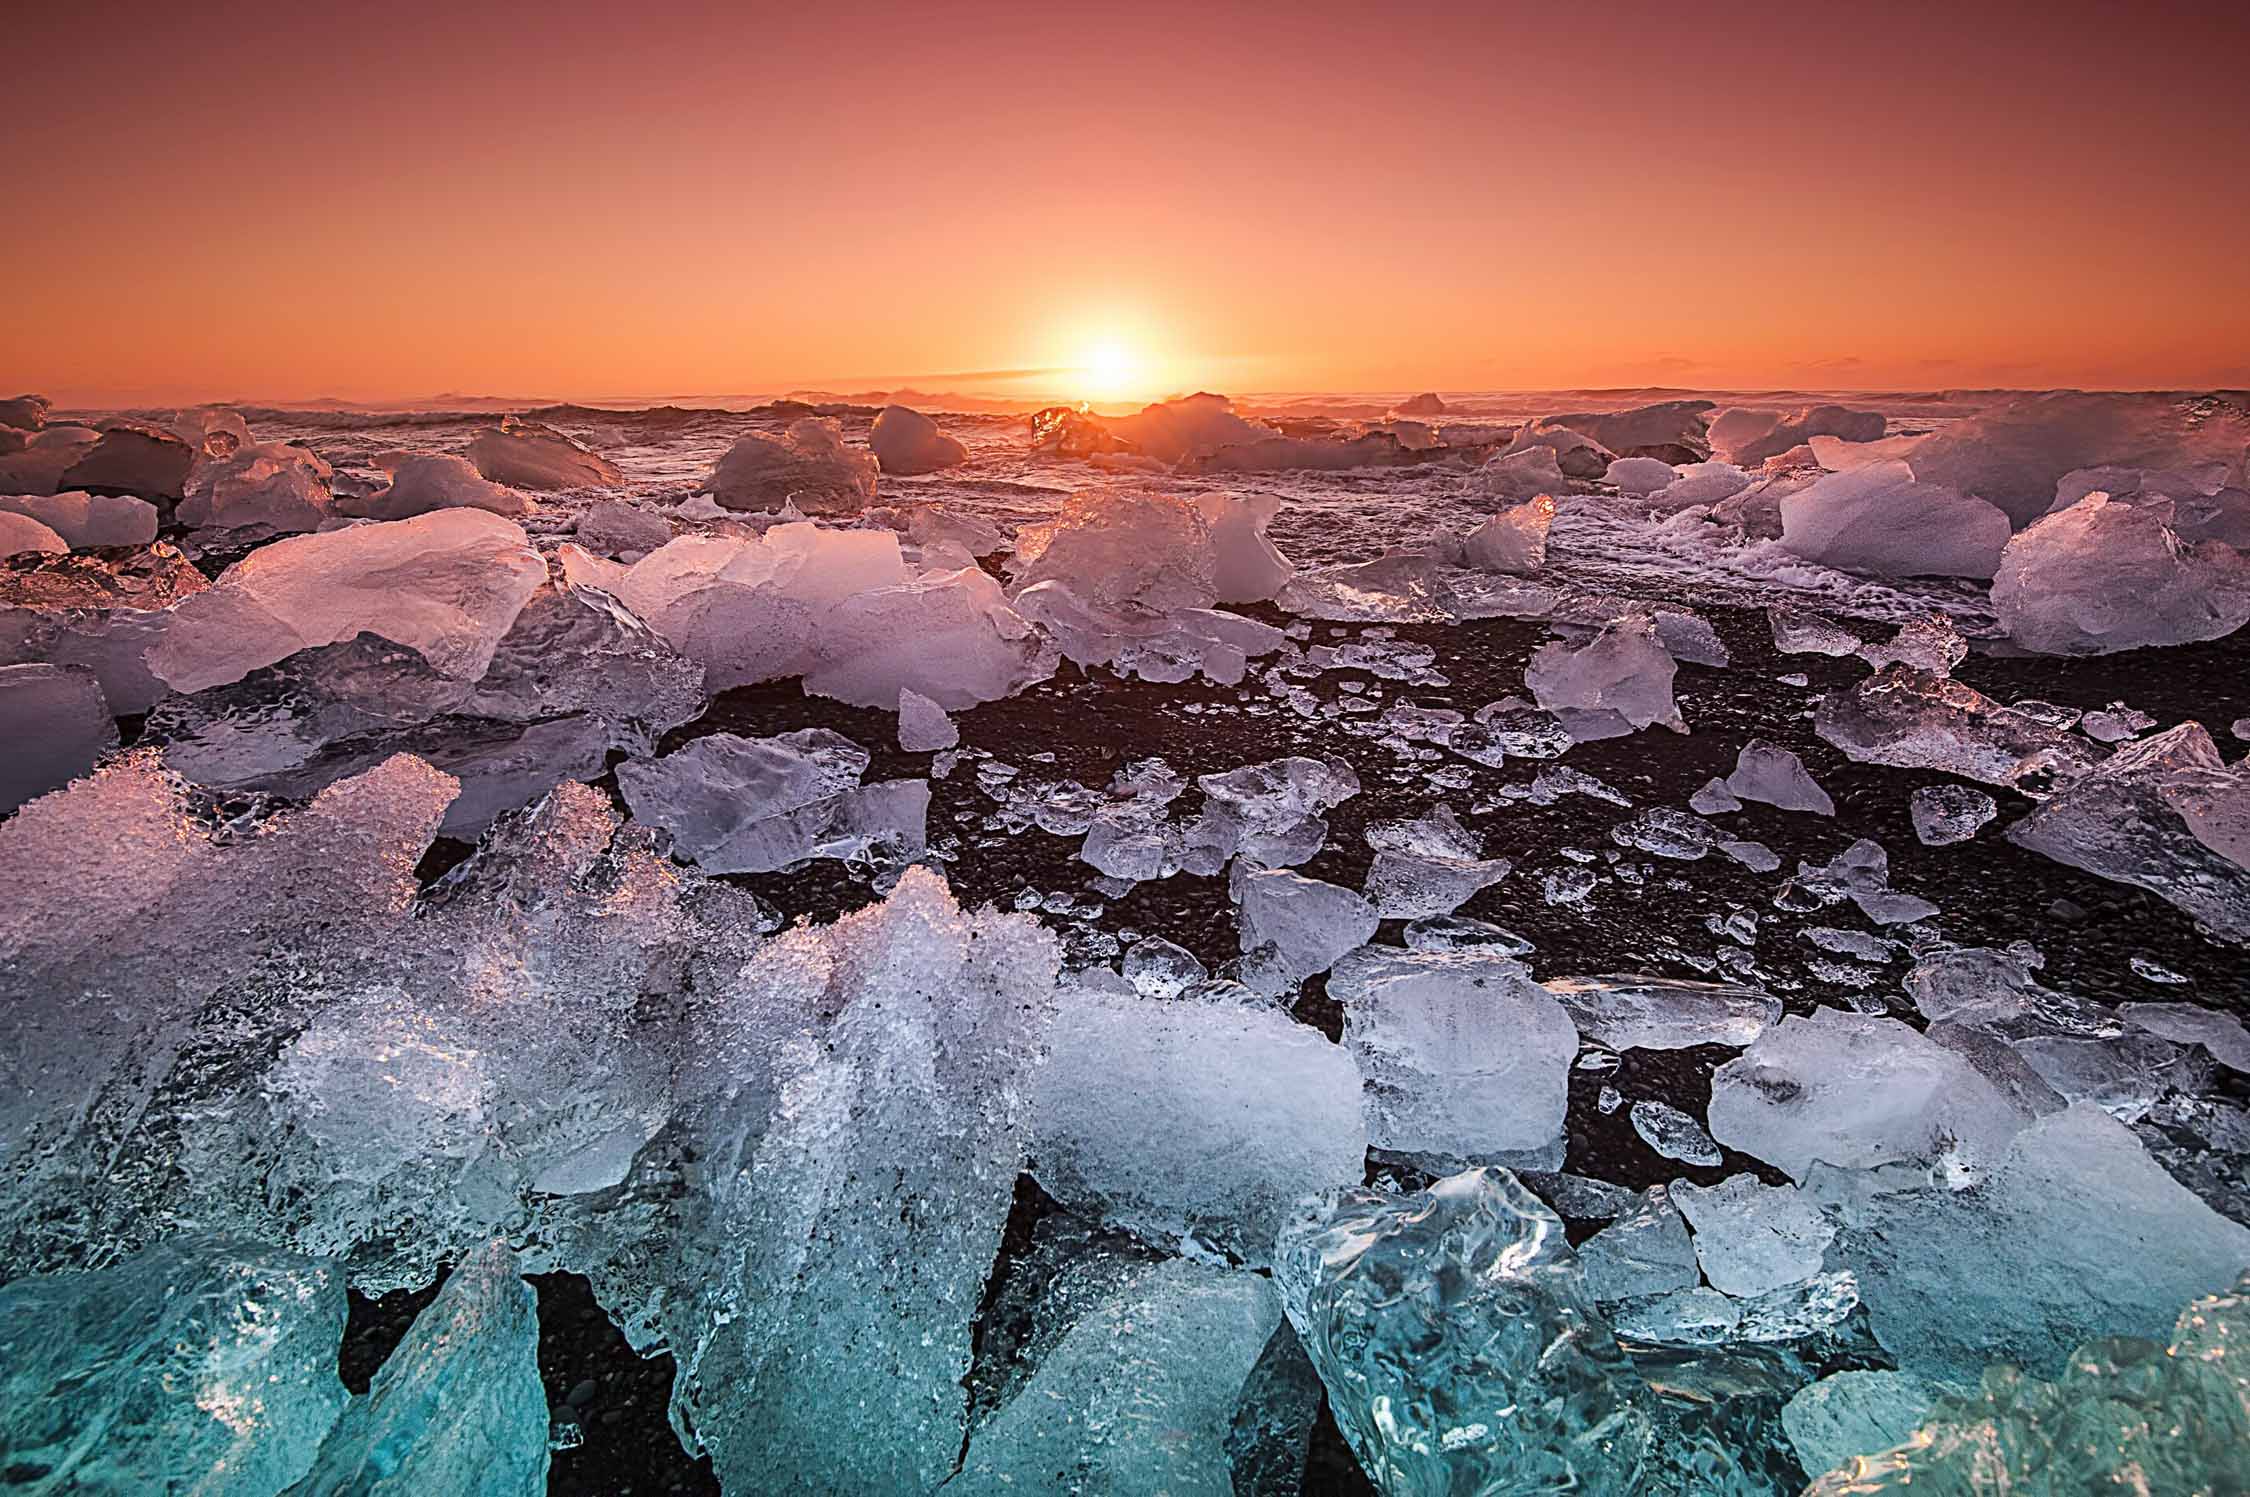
{"x": 132, "y": 457}
{"x": 1246, "y": 567}
{"x": 528, "y": 455}
{"x": 1617, "y": 682}
{"x": 905, "y": 441}
{"x": 1882, "y": 519}
{"x": 1749, "y": 437}
{"x": 22, "y": 535}
{"x": 2102, "y": 576}
{"x": 421, "y": 482}
{"x": 1513, "y": 541}
{"x": 83, "y": 520}
{"x": 754, "y": 805}
{"x": 808, "y": 466}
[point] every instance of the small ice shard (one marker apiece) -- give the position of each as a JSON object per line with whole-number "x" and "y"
{"x": 616, "y": 528}
{"x": 1400, "y": 588}
{"x": 1847, "y": 1415}
{"x": 1246, "y": 567}
{"x": 1466, "y": 1059}
{"x": 1666, "y": 833}
{"x": 1880, "y": 519}
{"x": 21, "y": 535}
{"x": 1700, "y": 484}
{"x": 2116, "y": 723}
{"x": 1518, "y": 477}
{"x": 1615, "y": 683}
{"x": 1755, "y": 856}
{"x": 1714, "y": 799}
{"x": 132, "y": 458}
{"x": 269, "y": 486}
{"x": 1752, "y": 436}
{"x": 1270, "y": 812}
{"x": 1308, "y": 923}
{"x": 458, "y": 1406}
{"x": 1800, "y": 632}
{"x": 2191, "y": 1024}
{"x": 1674, "y": 1134}
{"x": 1929, "y": 644}
{"x": 1855, "y": 1092}
{"x": 83, "y": 520}
{"x": 424, "y": 481}
{"x": 1946, "y": 814}
{"x": 1645, "y": 1251}
{"x": 2103, "y": 576}
{"x": 1769, "y": 773}
{"x": 1460, "y": 933}
{"x": 54, "y": 726}
{"x": 1639, "y": 476}
{"x": 198, "y": 1365}
{"x": 1630, "y": 1012}
{"x": 1193, "y": 1120}
{"x": 1752, "y": 1238}
{"x": 1170, "y": 1350}
{"x": 447, "y": 585}
{"x": 1514, "y": 540}
{"x": 1158, "y": 968}
{"x": 1909, "y": 719}
{"x": 923, "y": 726}
{"x": 753, "y": 805}
{"x": 905, "y": 441}
{"x": 2075, "y": 1233}
{"x": 526, "y": 455}
{"x": 1862, "y": 874}
{"x": 1431, "y": 865}
{"x": 2165, "y": 814}
{"x": 1425, "y": 1313}
{"x": 1684, "y": 1318}
{"x": 808, "y": 467}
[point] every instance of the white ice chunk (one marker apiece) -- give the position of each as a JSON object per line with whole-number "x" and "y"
{"x": 923, "y": 726}
{"x": 906, "y": 441}
{"x": 1879, "y": 519}
{"x": 526, "y": 455}
{"x": 1772, "y": 774}
{"x": 616, "y": 528}
{"x": 1617, "y": 682}
{"x": 1518, "y": 477}
{"x": 1851, "y": 1414}
{"x": 1514, "y": 540}
{"x": 424, "y": 481}
{"x": 1910, "y": 719}
{"x": 1946, "y": 814}
{"x": 1630, "y": 1012}
{"x": 1308, "y": 923}
{"x": 753, "y": 805}
{"x": 2102, "y": 576}
{"x": 1753, "y": 1238}
{"x": 1430, "y": 865}
{"x": 2191, "y": 1024}
{"x": 83, "y": 519}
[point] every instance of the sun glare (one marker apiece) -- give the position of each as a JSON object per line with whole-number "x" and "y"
{"x": 1109, "y": 371}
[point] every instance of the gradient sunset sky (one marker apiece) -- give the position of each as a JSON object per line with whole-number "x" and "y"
{"x": 603, "y": 200}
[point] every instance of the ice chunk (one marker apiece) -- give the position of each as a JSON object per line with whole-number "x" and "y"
{"x": 1172, "y": 431}
{"x": 1629, "y": 1012}
{"x": 906, "y": 441}
{"x": 1645, "y": 1251}
{"x": 1770, "y": 773}
{"x": 1520, "y": 476}
{"x": 1431, "y": 865}
{"x": 1308, "y": 923}
{"x": 1617, "y": 682}
{"x": 1946, "y": 814}
{"x": 2102, "y": 576}
{"x": 272, "y": 486}
{"x": 1194, "y": 1120}
{"x": 2191, "y": 1024}
{"x": 202, "y": 1364}
{"x": 1459, "y": 932}
{"x": 1466, "y": 1058}
{"x": 1117, "y": 549}
{"x": 1910, "y": 719}
{"x": 2116, "y": 723}
{"x": 1170, "y": 1351}
{"x": 1673, "y": 1134}
{"x": 753, "y": 805}
{"x": 1676, "y": 431}
{"x": 1850, "y": 1414}
{"x": 931, "y": 524}
{"x": 1862, "y": 874}
{"x": 2165, "y": 814}
{"x": 131, "y": 457}
{"x": 447, "y": 585}
{"x": 1458, "y": 1346}
{"x": 1133, "y": 640}
{"x": 1639, "y": 476}
{"x": 948, "y": 635}
{"x": 1752, "y": 1238}
{"x": 1158, "y": 968}
{"x": 1666, "y": 833}
{"x": 29, "y": 412}
{"x": 459, "y": 1406}
{"x": 1701, "y": 484}
{"x": 421, "y": 482}
{"x": 1515, "y": 539}
{"x": 1880, "y": 519}
{"x": 1747, "y": 437}
{"x": 1929, "y": 644}
{"x": 54, "y": 725}
{"x": 1798, "y": 632}
{"x": 22, "y": 535}
{"x": 1755, "y": 856}
{"x": 808, "y": 466}
{"x": 1246, "y": 567}
{"x": 83, "y": 520}
{"x": 37, "y": 467}
{"x": 2077, "y": 1233}
{"x": 527, "y": 455}
{"x": 922, "y": 724}
{"x": 1714, "y": 799}
{"x": 1856, "y": 1091}
{"x": 615, "y": 528}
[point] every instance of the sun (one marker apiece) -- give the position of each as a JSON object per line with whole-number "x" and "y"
{"x": 1109, "y": 370}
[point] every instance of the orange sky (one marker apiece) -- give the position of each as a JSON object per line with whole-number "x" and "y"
{"x": 590, "y": 200}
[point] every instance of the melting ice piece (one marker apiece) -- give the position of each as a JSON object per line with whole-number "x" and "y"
{"x": 459, "y": 1406}
{"x": 1514, "y": 540}
{"x": 1929, "y": 644}
{"x": 1645, "y": 1251}
{"x": 1910, "y": 719}
{"x": 2116, "y": 723}
{"x": 2192, "y": 1024}
{"x": 1630, "y": 1012}
{"x": 2102, "y": 576}
{"x": 752, "y": 805}
{"x": 1169, "y": 1350}
{"x": 1674, "y": 1134}
{"x": 2076, "y": 1233}
{"x": 1308, "y": 923}
{"x": 1194, "y": 1120}
{"x": 1615, "y": 683}
{"x": 1639, "y": 476}
{"x": 1428, "y": 866}
{"x": 447, "y": 584}
{"x": 21, "y": 535}
{"x": 1700, "y": 484}
{"x": 54, "y": 725}
{"x": 1518, "y": 477}
{"x": 424, "y": 481}
{"x": 1466, "y": 1058}
{"x": 1855, "y": 1092}
{"x": 201, "y": 1364}
{"x": 1755, "y": 856}
{"x": 1158, "y": 968}
{"x": 272, "y": 486}
{"x": 1752, "y": 436}
{"x": 1752, "y": 1238}
{"x": 1425, "y": 1313}
{"x": 1880, "y": 519}
{"x": 1770, "y": 773}
{"x": 923, "y": 726}
{"x": 1246, "y": 567}
{"x": 616, "y": 528}
{"x": 1270, "y": 812}
{"x": 906, "y": 441}
{"x": 1946, "y": 814}
{"x": 1460, "y": 933}
{"x": 1714, "y": 799}
{"x": 1850, "y": 1414}
{"x": 81, "y": 520}
{"x": 1800, "y": 632}
{"x": 1116, "y": 549}
{"x": 1666, "y": 833}
{"x": 526, "y": 455}
{"x": 1406, "y": 587}
{"x": 2165, "y": 814}
{"x": 134, "y": 458}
